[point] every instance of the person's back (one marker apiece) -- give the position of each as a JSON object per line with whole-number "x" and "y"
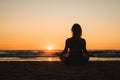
{"x": 77, "y": 52}
{"x": 77, "y": 46}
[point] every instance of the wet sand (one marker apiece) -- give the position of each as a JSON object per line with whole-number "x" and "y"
{"x": 55, "y": 70}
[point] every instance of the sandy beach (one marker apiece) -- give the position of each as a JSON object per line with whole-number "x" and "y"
{"x": 56, "y": 70}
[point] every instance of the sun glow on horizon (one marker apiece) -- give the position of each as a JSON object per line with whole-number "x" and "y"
{"x": 50, "y": 47}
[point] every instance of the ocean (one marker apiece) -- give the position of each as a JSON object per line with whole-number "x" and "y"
{"x": 53, "y": 55}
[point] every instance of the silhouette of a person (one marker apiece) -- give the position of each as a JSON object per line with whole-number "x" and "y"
{"x": 77, "y": 48}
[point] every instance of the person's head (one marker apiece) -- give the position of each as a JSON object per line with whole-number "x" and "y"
{"x": 76, "y": 30}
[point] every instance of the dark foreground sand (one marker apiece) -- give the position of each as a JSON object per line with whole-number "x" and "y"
{"x": 58, "y": 71}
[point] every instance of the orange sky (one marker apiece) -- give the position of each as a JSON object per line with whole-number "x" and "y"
{"x": 28, "y": 24}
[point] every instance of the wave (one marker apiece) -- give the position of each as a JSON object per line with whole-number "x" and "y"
{"x": 43, "y": 53}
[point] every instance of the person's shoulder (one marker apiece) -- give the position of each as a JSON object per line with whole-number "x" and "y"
{"x": 83, "y": 39}
{"x": 68, "y": 39}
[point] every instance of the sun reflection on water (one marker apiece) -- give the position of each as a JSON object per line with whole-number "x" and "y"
{"x": 49, "y": 59}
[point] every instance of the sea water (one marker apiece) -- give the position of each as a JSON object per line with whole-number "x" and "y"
{"x": 44, "y": 55}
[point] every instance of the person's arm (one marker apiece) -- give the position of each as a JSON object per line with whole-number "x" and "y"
{"x": 84, "y": 48}
{"x": 66, "y": 47}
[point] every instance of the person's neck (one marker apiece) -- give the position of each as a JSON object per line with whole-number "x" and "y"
{"x": 76, "y": 36}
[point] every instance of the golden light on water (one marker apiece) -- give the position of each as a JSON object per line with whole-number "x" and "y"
{"x": 49, "y": 59}
{"x": 54, "y": 59}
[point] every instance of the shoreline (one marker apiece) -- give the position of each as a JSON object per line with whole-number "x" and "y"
{"x": 51, "y": 58}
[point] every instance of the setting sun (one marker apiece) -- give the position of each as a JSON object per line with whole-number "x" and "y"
{"x": 49, "y": 47}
